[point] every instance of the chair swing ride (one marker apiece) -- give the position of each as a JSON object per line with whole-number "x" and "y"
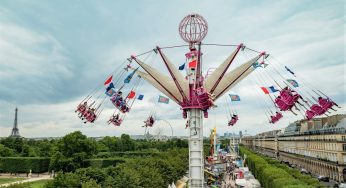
{"x": 312, "y": 105}
{"x": 284, "y": 91}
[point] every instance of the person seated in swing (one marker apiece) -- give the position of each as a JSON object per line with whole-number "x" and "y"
{"x": 296, "y": 97}
{"x": 309, "y": 114}
{"x": 117, "y": 97}
{"x": 326, "y": 103}
{"x": 114, "y": 118}
{"x": 118, "y": 122}
{"x": 273, "y": 119}
{"x": 283, "y": 106}
{"x": 317, "y": 109}
{"x": 81, "y": 107}
{"x": 151, "y": 120}
{"x": 86, "y": 113}
{"x": 235, "y": 117}
{"x": 286, "y": 90}
{"x": 234, "y": 120}
{"x": 124, "y": 108}
{"x": 93, "y": 118}
{"x": 278, "y": 115}
{"x": 90, "y": 117}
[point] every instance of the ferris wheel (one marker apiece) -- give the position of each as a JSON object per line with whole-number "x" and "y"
{"x": 162, "y": 130}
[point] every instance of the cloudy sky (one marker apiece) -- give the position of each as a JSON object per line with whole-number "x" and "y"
{"x": 54, "y": 53}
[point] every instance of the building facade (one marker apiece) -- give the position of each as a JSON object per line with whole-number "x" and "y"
{"x": 319, "y": 145}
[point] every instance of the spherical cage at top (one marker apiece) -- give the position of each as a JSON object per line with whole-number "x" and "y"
{"x": 193, "y": 28}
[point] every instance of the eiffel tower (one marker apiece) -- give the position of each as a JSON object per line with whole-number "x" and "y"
{"x": 15, "y": 130}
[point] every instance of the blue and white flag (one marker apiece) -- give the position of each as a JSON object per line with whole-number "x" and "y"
{"x": 110, "y": 86}
{"x": 163, "y": 99}
{"x": 140, "y": 97}
{"x": 294, "y": 83}
{"x": 289, "y": 70}
{"x": 110, "y": 92}
{"x": 182, "y": 67}
{"x": 129, "y": 77}
{"x": 234, "y": 97}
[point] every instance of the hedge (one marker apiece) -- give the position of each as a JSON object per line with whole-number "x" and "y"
{"x": 103, "y": 163}
{"x": 24, "y": 164}
{"x": 271, "y": 174}
{"x": 295, "y": 173}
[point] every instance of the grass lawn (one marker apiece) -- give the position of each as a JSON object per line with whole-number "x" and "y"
{"x": 8, "y": 180}
{"x": 38, "y": 184}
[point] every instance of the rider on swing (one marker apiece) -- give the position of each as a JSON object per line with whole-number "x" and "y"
{"x": 149, "y": 122}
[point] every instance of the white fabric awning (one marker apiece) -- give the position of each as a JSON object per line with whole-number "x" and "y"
{"x": 232, "y": 78}
{"x": 177, "y": 74}
{"x": 217, "y": 73}
{"x": 153, "y": 82}
{"x": 166, "y": 83}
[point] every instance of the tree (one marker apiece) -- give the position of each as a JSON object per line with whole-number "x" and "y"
{"x": 126, "y": 177}
{"x": 72, "y": 150}
{"x": 6, "y": 152}
{"x": 76, "y": 142}
{"x": 15, "y": 143}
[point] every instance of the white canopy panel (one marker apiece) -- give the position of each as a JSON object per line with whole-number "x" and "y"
{"x": 177, "y": 74}
{"x": 211, "y": 79}
{"x": 232, "y": 78}
{"x": 165, "y": 82}
{"x": 153, "y": 82}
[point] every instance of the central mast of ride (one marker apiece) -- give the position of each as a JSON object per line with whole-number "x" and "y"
{"x": 192, "y": 29}
{"x": 193, "y": 93}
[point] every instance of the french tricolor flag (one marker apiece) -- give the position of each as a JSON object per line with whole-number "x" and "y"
{"x": 270, "y": 89}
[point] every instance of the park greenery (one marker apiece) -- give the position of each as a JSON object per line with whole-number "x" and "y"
{"x": 272, "y": 174}
{"x": 80, "y": 161}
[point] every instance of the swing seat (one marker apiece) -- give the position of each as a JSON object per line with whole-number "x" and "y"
{"x": 117, "y": 122}
{"x": 296, "y": 97}
{"x": 278, "y": 116}
{"x": 287, "y": 97}
{"x": 288, "y": 100}
{"x": 317, "y": 109}
{"x": 285, "y": 93}
{"x": 282, "y": 105}
{"x": 325, "y": 103}
{"x": 123, "y": 108}
{"x": 233, "y": 121}
{"x": 274, "y": 119}
{"x": 81, "y": 108}
{"x": 86, "y": 113}
{"x": 184, "y": 114}
{"x": 309, "y": 114}
{"x": 91, "y": 117}
{"x": 149, "y": 123}
{"x": 205, "y": 113}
